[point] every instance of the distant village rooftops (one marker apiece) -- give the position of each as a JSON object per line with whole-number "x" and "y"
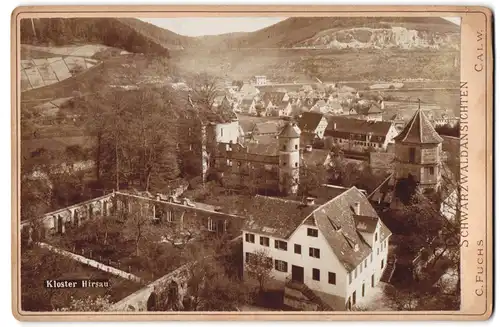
{"x": 419, "y": 130}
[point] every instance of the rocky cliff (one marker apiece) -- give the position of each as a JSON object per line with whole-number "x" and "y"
{"x": 382, "y": 38}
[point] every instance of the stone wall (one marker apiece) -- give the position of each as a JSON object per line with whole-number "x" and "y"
{"x": 138, "y": 301}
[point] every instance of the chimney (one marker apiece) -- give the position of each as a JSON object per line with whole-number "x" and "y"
{"x": 309, "y": 201}
{"x": 309, "y": 148}
{"x": 357, "y": 206}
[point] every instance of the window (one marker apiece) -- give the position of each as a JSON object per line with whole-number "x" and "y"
{"x": 284, "y": 148}
{"x": 280, "y": 265}
{"x": 361, "y": 268}
{"x": 350, "y": 277}
{"x": 431, "y": 171}
{"x": 221, "y": 132}
{"x": 297, "y": 248}
{"x": 356, "y": 273}
{"x": 212, "y": 226}
{"x": 315, "y": 274}
{"x": 363, "y": 290}
{"x": 376, "y": 237}
{"x": 170, "y": 216}
{"x": 296, "y": 147}
{"x": 354, "y": 298}
{"x": 312, "y": 232}
{"x": 373, "y": 280}
{"x": 378, "y": 251}
{"x": 248, "y": 257}
{"x": 382, "y": 264}
{"x": 296, "y": 164}
{"x": 264, "y": 241}
{"x": 411, "y": 158}
{"x": 313, "y": 252}
{"x": 280, "y": 245}
{"x": 371, "y": 257}
{"x": 366, "y": 262}
{"x": 332, "y": 278}
{"x": 250, "y": 238}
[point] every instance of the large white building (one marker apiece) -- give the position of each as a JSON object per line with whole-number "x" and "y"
{"x": 338, "y": 248}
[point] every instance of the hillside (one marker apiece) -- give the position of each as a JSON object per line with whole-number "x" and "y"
{"x": 125, "y": 33}
{"x": 338, "y": 32}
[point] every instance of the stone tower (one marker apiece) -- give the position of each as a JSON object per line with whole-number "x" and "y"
{"x": 418, "y": 152}
{"x": 289, "y": 158}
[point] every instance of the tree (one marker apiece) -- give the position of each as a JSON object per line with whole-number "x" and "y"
{"x": 260, "y": 266}
{"x": 312, "y": 177}
{"x": 138, "y": 222}
{"x": 204, "y": 89}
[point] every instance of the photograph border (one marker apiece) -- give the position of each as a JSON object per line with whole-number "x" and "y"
{"x": 482, "y": 19}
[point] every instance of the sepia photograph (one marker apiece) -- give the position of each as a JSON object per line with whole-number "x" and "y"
{"x": 241, "y": 164}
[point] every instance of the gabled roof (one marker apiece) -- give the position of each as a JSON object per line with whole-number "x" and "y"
{"x": 266, "y": 149}
{"x": 344, "y": 241}
{"x": 269, "y": 127}
{"x": 336, "y": 219}
{"x": 291, "y": 130}
{"x": 314, "y": 157}
{"x": 419, "y": 130}
{"x": 274, "y": 97}
{"x": 356, "y": 126}
{"x": 309, "y": 121}
{"x": 274, "y": 216}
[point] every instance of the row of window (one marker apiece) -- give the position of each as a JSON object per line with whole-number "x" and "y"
{"x": 372, "y": 144}
{"x": 282, "y": 266}
{"x": 282, "y": 245}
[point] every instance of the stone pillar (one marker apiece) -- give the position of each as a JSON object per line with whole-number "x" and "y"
{"x": 62, "y": 222}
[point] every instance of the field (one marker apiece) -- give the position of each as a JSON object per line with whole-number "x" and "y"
{"x": 39, "y": 264}
{"x": 303, "y": 65}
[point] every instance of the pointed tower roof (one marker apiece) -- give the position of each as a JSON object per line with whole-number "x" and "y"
{"x": 419, "y": 130}
{"x": 291, "y": 130}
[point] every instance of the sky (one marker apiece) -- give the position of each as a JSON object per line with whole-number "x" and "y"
{"x": 198, "y": 26}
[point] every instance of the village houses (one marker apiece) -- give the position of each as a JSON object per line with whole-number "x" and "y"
{"x": 337, "y": 249}
{"x": 360, "y": 135}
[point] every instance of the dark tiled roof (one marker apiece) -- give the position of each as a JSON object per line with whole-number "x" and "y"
{"x": 328, "y": 192}
{"x": 419, "y": 130}
{"x": 356, "y": 126}
{"x": 266, "y": 149}
{"x": 271, "y": 127}
{"x": 291, "y": 130}
{"x": 314, "y": 157}
{"x": 309, "y": 121}
{"x": 274, "y": 216}
{"x": 336, "y": 220}
{"x": 275, "y": 97}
